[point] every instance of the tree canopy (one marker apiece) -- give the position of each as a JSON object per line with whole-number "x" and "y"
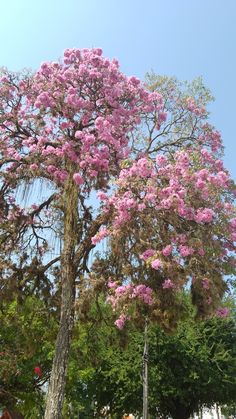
{"x": 88, "y": 154}
{"x": 192, "y": 368}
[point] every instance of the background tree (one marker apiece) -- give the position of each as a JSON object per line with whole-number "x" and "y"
{"x": 165, "y": 200}
{"x": 192, "y": 368}
{"x": 189, "y": 369}
{"x": 27, "y": 335}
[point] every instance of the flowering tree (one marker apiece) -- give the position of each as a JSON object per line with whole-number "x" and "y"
{"x": 78, "y": 127}
{"x": 172, "y": 212}
{"x": 64, "y": 130}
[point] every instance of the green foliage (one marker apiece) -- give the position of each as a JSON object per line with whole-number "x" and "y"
{"x": 196, "y": 366}
{"x": 27, "y": 335}
{"x": 189, "y": 369}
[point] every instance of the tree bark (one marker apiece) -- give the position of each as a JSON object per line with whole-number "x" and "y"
{"x": 55, "y": 396}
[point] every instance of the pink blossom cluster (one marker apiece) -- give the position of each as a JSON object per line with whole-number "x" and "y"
{"x": 168, "y": 284}
{"x": 120, "y": 322}
{"x": 204, "y": 215}
{"x": 192, "y": 106}
{"x": 141, "y": 292}
{"x": 156, "y": 264}
{"x": 100, "y": 235}
{"x": 147, "y": 254}
{"x": 80, "y": 110}
{"x": 123, "y": 294}
{"x": 170, "y": 202}
{"x": 168, "y": 187}
{"x": 183, "y": 193}
{"x": 167, "y": 251}
{"x": 185, "y": 251}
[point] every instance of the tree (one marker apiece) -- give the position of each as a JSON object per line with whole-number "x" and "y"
{"x": 27, "y": 334}
{"x": 164, "y": 198}
{"x": 189, "y": 369}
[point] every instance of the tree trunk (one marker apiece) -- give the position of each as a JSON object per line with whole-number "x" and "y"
{"x": 145, "y": 373}
{"x": 55, "y": 396}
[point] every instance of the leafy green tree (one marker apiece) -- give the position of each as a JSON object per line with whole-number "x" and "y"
{"x": 189, "y": 369}
{"x": 193, "y": 368}
{"x": 27, "y": 335}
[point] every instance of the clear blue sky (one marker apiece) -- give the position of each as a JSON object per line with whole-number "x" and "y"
{"x": 184, "y": 38}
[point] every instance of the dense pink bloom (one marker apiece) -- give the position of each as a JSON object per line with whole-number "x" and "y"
{"x": 200, "y": 184}
{"x": 51, "y": 169}
{"x": 122, "y": 289}
{"x": 61, "y": 175}
{"x": 144, "y": 293}
{"x": 204, "y": 215}
{"x": 127, "y": 293}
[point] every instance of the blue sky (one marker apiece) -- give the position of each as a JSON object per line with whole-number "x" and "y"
{"x": 184, "y": 38}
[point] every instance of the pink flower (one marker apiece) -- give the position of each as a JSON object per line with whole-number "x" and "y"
{"x": 168, "y": 284}
{"x": 233, "y": 223}
{"x": 64, "y": 125}
{"x": 78, "y": 179}
{"x": 161, "y": 160}
{"x": 34, "y": 206}
{"x": 100, "y": 235}
{"x": 122, "y": 289}
{"x": 167, "y": 250}
{"x": 112, "y": 284}
{"x": 61, "y": 175}
{"x": 51, "y": 168}
{"x": 102, "y": 196}
{"x": 144, "y": 293}
{"x": 147, "y": 254}
{"x": 204, "y": 215}
{"x": 120, "y": 322}
{"x": 209, "y": 300}
{"x": 156, "y": 264}
{"x": 201, "y": 252}
{"x": 186, "y": 250}
{"x": 200, "y": 184}
{"x": 33, "y": 166}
